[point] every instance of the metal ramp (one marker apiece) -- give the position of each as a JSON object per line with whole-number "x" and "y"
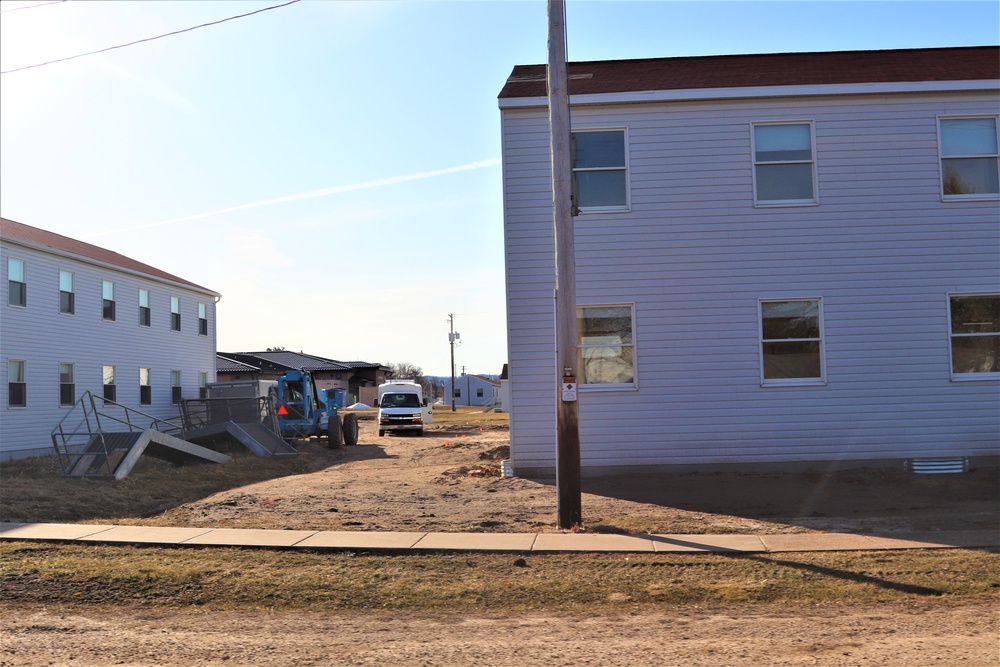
{"x": 249, "y": 421}
{"x": 92, "y": 442}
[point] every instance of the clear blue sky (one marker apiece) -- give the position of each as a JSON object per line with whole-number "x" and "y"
{"x": 332, "y": 168}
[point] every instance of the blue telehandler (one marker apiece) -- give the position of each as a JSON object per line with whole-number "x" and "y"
{"x": 303, "y": 410}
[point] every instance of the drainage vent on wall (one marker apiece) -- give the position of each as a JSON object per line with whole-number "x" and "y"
{"x": 937, "y": 466}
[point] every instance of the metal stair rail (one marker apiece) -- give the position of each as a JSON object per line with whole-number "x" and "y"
{"x": 92, "y": 442}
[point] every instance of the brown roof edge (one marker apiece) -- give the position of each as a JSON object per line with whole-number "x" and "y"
{"x": 35, "y": 236}
{"x": 966, "y": 63}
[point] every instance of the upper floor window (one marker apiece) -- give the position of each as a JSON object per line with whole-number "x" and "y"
{"x": 175, "y": 313}
{"x": 67, "y": 299}
{"x": 17, "y": 388}
{"x": 202, "y": 319}
{"x": 969, "y": 157}
{"x": 145, "y": 389}
{"x": 974, "y": 323}
{"x": 108, "y": 378}
{"x": 17, "y": 288}
{"x": 600, "y": 170}
{"x": 784, "y": 169}
{"x": 144, "y": 316}
{"x": 791, "y": 342}
{"x": 67, "y": 388}
{"x": 108, "y": 306}
{"x": 606, "y": 349}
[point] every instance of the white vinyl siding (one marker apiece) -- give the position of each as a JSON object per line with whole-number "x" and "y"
{"x": 696, "y": 256}
{"x": 42, "y": 338}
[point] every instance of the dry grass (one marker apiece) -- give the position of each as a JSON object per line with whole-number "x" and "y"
{"x": 284, "y": 580}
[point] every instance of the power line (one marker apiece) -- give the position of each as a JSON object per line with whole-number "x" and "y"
{"x": 148, "y": 39}
{"x": 17, "y": 9}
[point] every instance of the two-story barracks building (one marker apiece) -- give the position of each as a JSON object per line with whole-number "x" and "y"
{"x": 783, "y": 258}
{"x": 77, "y": 317}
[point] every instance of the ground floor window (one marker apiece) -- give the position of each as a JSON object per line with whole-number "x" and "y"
{"x": 67, "y": 389}
{"x": 145, "y": 389}
{"x": 605, "y": 345}
{"x": 175, "y": 387}
{"x": 974, "y": 323}
{"x": 791, "y": 341}
{"x": 110, "y": 389}
{"x": 17, "y": 388}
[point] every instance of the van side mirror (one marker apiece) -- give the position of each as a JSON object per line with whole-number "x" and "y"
{"x": 425, "y": 401}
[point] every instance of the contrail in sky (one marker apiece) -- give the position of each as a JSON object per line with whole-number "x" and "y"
{"x": 336, "y": 189}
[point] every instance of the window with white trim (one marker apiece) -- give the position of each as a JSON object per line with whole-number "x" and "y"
{"x": 791, "y": 342}
{"x": 600, "y": 170}
{"x": 175, "y": 387}
{"x": 202, "y": 384}
{"x": 108, "y": 300}
{"x": 108, "y": 380}
{"x": 605, "y": 346}
{"x": 970, "y": 156}
{"x": 17, "y": 288}
{"x": 175, "y": 313}
{"x": 974, "y": 328}
{"x": 67, "y": 298}
{"x": 144, "y": 313}
{"x": 784, "y": 167}
{"x": 67, "y": 388}
{"x": 202, "y": 319}
{"x": 145, "y": 389}
{"x": 17, "y": 388}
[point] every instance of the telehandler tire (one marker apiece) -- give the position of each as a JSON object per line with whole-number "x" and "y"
{"x": 335, "y": 433}
{"x": 350, "y": 429}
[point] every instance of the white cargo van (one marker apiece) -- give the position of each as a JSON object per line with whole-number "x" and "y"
{"x": 402, "y": 407}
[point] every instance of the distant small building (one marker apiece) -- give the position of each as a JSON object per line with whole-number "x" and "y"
{"x": 472, "y": 390}
{"x": 358, "y": 379}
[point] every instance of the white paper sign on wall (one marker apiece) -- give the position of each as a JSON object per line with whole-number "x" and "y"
{"x": 569, "y": 389}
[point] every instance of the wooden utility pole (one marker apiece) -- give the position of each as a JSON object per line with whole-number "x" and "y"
{"x": 452, "y": 337}
{"x": 568, "y": 437}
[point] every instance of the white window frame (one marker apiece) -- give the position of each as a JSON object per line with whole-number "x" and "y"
{"x": 176, "y": 391}
{"x": 202, "y": 319}
{"x": 148, "y": 384}
{"x": 105, "y": 284}
{"x": 72, "y": 383}
{"x": 23, "y": 282}
{"x": 966, "y": 377}
{"x": 105, "y": 376}
{"x": 772, "y": 203}
{"x": 175, "y": 313}
{"x": 22, "y": 366}
{"x": 792, "y": 382}
{"x": 628, "y": 177}
{"x": 71, "y": 291}
{"x": 941, "y": 158}
{"x": 617, "y": 386}
{"x": 148, "y": 307}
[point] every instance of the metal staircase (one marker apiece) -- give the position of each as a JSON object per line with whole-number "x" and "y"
{"x": 99, "y": 437}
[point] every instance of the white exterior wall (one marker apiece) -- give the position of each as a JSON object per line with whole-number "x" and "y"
{"x": 43, "y": 337}
{"x": 468, "y": 385}
{"x": 882, "y": 251}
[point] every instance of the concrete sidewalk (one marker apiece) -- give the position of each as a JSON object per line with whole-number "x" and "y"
{"x": 492, "y": 542}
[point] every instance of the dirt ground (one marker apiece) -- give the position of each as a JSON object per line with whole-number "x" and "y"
{"x": 904, "y": 636}
{"x": 448, "y": 481}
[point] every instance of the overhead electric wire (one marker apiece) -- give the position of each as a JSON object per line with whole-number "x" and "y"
{"x": 149, "y": 39}
{"x": 42, "y": 4}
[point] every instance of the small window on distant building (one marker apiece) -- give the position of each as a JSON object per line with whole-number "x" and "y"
{"x": 17, "y": 388}
{"x": 458, "y": 393}
{"x": 600, "y": 170}
{"x": 108, "y": 294}
{"x": 67, "y": 299}
{"x": 202, "y": 319}
{"x": 479, "y": 393}
{"x": 110, "y": 390}
{"x": 175, "y": 314}
{"x": 67, "y": 389}
{"x": 144, "y": 315}
{"x": 975, "y": 336}
{"x": 784, "y": 167}
{"x": 791, "y": 342}
{"x": 175, "y": 387}
{"x": 17, "y": 288}
{"x": 145, "y": 390}
{"x": 970, "y": 156}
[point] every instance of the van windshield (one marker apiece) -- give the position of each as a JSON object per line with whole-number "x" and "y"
{"x": 400, "y": 401}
